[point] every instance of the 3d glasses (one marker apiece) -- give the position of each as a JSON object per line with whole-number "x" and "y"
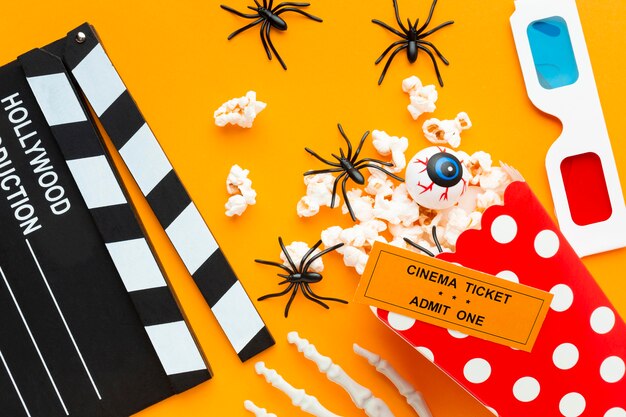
{"x": 581, "y": 168}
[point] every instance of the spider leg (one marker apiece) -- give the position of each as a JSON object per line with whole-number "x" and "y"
{"x": 327, "y": 162}
{"x": 430, "y": 15}
{"x": 418, "y": 247}
{"x": 436, "y": 239}
{"x": 306, "y": 294}
{"x": 434, "y": 48}
{"x": 319, "y": 255}
{"x": 347, "y": 141}
{"x": 389, "y": 28}
{"x": 358, "y": 149}
{"x": 391, "y": 174}
{"x": 261, "y": 261}
{"x": 334, "y": 193}
{"x": 291, "y": 3}
{"x": 293, "y": 295}
{"x": 322, "y": 171}
{"x": 258, "y": 4}
{"x": 267, "y": 50}
{"x": 284, "y": 249}
{"x": 278, "y": 294}
{"x": 308, "y": 287}
{"x": 345, "y": 196}
{"x": 308, "y": 253}
{"x": 398, "y": 49}
{"x": 238, "y": 13}
{"x": 395, "y": 8}
{"x": 432, "y": 58}
{"x": 246, "y": 27}
{"x": 387, "y": 164}
{"x": 269, "y": 41}
{"x": 435, "y": 29}
{"x": 389, "y": 48}
{"x": 302, "y": 12}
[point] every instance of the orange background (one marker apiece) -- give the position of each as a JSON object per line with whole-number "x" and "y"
{"x": 176, "y": 61}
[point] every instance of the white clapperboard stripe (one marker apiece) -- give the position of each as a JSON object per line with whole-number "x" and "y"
{"x": 106, "y": 93}
{"x": 133, "y": 258}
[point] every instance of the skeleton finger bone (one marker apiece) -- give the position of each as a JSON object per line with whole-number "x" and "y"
{"x": 414, "y": 398}
{"x": 257, "y": 411}
{"x": 361, "y": 396}
{"x": 299, "y": 397}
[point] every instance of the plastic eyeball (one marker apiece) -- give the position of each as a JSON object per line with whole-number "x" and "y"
{"x": 435, "y": 178}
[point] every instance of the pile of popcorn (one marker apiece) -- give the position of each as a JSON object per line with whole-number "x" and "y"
{"x": 242, "y": 195}
{"x": 387, "y": 213}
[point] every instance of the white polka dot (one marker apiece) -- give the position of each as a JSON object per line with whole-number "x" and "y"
{"x": 546, "y": 243}
{"x": 572, "y": 405}
{"x": 615, "y": 412}
{"x": 526, "y": 389}
{"x": 565, "y": 356}
{"x": 563, "y": 297}
{"x": 508, "y": 275}
{"x": 612, "y": 369}
{"x": 494, "y": 412}
{"x": 374, "y": 310}
{"x": 477, "y": 370}
{"x": 503, "y": 229}
{"x": 428, "y": 354}
{"x": 456, "y": 334}
{"x": 400, "y": 322}
{"x": 602, "y": 320}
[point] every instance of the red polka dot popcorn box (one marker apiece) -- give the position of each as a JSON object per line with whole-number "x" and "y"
{"x": 576, "y": 366}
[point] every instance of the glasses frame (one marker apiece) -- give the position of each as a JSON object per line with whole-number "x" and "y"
{"x": 578, "y": 107}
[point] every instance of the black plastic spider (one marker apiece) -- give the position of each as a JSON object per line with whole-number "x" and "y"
{"x": 412, "y": 40}
{"x": 299, "y": 277}
{"x": 423, "y": 249}
{"x": 270, "y": 16}
{"x": 349, "y": 167}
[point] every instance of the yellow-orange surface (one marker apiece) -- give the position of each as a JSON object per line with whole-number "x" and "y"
{"x": 176, "y": 61}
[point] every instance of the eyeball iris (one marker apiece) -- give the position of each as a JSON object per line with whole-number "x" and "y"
{"x": 444, "y": 169}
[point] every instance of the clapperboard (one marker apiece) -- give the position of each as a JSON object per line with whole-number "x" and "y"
{"x": 89, "y": 326}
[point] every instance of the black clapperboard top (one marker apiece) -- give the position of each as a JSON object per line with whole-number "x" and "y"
{"x": 90, "y": 326}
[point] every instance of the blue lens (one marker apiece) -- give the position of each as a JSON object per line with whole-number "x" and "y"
{"x": 444, "y": 169}
{"x": 552, "y": 52}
